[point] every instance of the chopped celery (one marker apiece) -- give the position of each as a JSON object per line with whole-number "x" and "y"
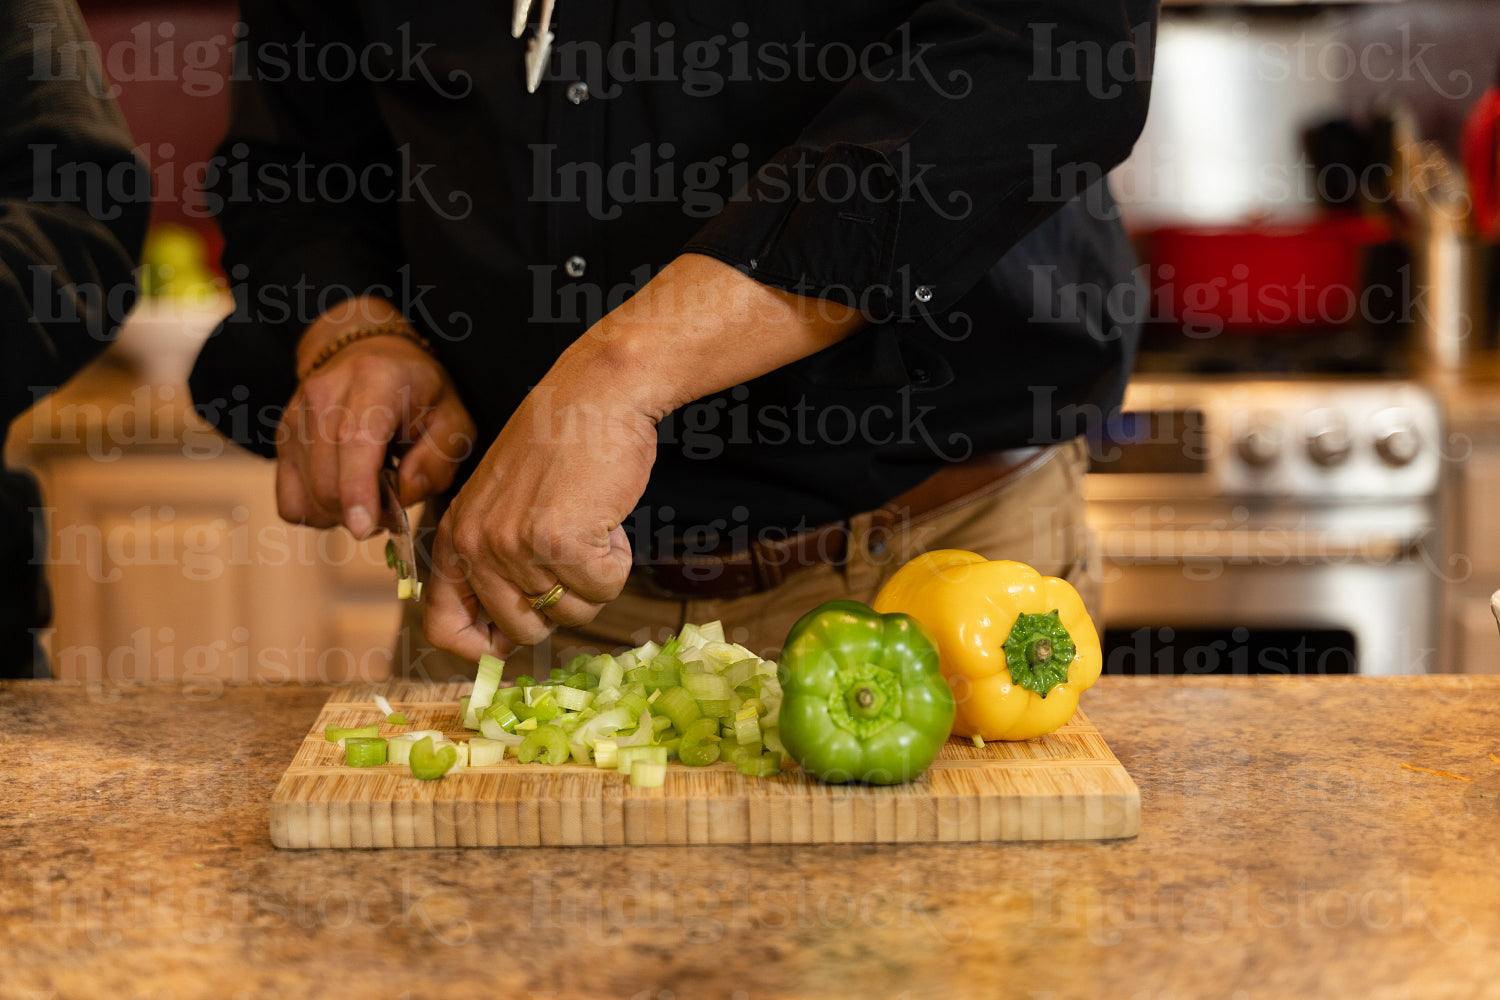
{"x": 429, "y": 764}
{"x": 508, "y": 696}
{"x": 606, "y": 753}
{"x": 747, "y": 726}
{"x": 700, "y": 743}
{"x": 676, "y": 704}
{"x": 628, "y": 757}
{"x": 547, "y": 744}
{"x": 660, "y": 724}
{"x": 335, "y": 733}
{"x": 761, "y": 766}
{"x": 573, "y": 699}
{"x": 501, "y": 714}
{"x": 648, "y": 774}
{"x": 577, "y": 663}
{"x": 527, "y": 725}
{"x": 396, "y": 719}
{"x": 525, "y": 681}
{"x": 671, "y": 745}
{"x": 978, "y": 741}
{"x": 646, "y": 653}
{"x": 738, "y": 673}
{"x": 712, "y": 632}
{"x": 398, "y": 747}
{"x": 635, "y": 704}
{"x": 364, "y": 751}
{"x": 485, "y": 752}
{"x": 738, "y": 753}
{"x": 772, "y": 737}
{"x": 580, "y": 753}
{"x": 493, "y": 731}
{"x": 611, "y": 674}
{"x": 706, "y": 687}
{"x": 715, "y": 709}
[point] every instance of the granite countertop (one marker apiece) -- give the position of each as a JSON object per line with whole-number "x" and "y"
{"x": 1284, "y": 852}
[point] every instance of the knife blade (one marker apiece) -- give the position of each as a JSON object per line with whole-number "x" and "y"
{"x": 400, "y": 548}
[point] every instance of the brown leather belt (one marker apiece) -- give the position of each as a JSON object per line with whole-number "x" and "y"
{"x": 766, "y": 564}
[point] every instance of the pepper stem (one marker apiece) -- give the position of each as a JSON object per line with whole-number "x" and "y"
{"x": 1038, "y": 651}
{"x": 864, "y": 699}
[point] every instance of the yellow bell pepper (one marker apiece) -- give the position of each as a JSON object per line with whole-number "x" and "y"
{"x": 1016, "y": 647}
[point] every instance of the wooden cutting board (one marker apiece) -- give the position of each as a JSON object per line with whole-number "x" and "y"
{"x": 1064, "y": 786}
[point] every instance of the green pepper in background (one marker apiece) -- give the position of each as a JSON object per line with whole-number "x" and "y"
{"x": 864, "y": 699}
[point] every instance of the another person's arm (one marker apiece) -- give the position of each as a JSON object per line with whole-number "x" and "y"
{"x": 74, "y": 201}
{"x": 958, "y": 159}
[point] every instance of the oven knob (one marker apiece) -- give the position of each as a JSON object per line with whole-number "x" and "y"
{"x": 1259, "y": 445}
{"x": 1329, "y": 445}
{"x": 1399, "y": 445}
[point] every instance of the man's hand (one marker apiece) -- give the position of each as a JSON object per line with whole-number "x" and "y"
{"x": 343, "y": 417}
{"x": 546, "y": 504}
{"x": 544, "y": 507}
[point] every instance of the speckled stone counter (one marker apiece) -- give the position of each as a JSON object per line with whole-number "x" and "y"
{"x": 1284, "y": 852}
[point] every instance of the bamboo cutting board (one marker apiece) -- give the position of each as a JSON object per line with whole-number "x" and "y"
{"x": 1065, "y": 786}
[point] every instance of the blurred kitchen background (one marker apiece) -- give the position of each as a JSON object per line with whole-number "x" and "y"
{"x": 1301, "y": 482}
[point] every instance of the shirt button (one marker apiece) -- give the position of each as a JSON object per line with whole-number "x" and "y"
{"x": 577, "y": 92}
{"x": 924, "y": 293}
{"x": 575, "y": 266}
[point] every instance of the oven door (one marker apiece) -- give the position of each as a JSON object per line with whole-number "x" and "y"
{"x": 1233, "y": 588}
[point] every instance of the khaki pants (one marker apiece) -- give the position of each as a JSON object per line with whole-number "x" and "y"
{"x": 1033, "y": 515}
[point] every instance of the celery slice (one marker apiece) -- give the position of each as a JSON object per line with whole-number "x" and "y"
{"x": 707, "y": 687}
{"x": 764, "y": 765}
{"x": 573, "y": 699}
{"x": 364, "y": 751}
{"x": 398, "y": 747}
{"x": 546, "y": 743}
{"x": 648, "y": 774}
{"x": 629, "y": 757}
{"x": 485, "y": 752}
{"x": 676, "y": 704}
{"x": 429, "y": 764}
{"x": 606, "y": 753}
{"x": 335, "y": 733}
{"x": 747, "y": 726}
{"x": 492, "y": 730}
{"x": 384, "y": 705}
{"x": 396, "y": 719}
{"x": 699, "y": 746}
{"x": 501, "y": 714}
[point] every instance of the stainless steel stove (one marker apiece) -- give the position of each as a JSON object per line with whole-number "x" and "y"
{"x": 1279, "y": 525}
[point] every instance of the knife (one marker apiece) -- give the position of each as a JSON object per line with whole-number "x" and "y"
{"x": 400, "y": 549}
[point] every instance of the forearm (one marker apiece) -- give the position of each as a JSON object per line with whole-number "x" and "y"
{"x": 699, "y": 327}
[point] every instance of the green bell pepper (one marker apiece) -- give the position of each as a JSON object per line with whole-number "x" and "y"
{"x": 864, "y": 699}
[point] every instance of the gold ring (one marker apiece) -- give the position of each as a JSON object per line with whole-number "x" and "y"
{"x": 548, "y": 599}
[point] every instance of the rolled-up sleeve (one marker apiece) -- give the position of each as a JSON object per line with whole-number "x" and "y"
{"x": 926, "y": 167}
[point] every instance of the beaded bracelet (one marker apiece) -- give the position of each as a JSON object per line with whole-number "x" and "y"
{"x": 392, "y": 328}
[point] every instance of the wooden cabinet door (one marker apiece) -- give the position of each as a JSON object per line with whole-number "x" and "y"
{"x": 164, "y": 567}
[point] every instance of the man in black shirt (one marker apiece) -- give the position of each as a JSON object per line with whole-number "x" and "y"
{"x": 856, "y": 246}
{"x": 74, "y": 201}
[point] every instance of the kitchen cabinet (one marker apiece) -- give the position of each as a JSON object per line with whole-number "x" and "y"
{"x": 166, "y": 557}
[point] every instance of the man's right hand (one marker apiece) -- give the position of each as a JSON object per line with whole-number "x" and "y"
{"x": 343, "y": 418}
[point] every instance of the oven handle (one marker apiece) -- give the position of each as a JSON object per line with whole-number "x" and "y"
{"x": 1264, "y": 545}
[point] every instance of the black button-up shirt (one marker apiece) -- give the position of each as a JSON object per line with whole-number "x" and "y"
{"x": 929, "y": 162}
